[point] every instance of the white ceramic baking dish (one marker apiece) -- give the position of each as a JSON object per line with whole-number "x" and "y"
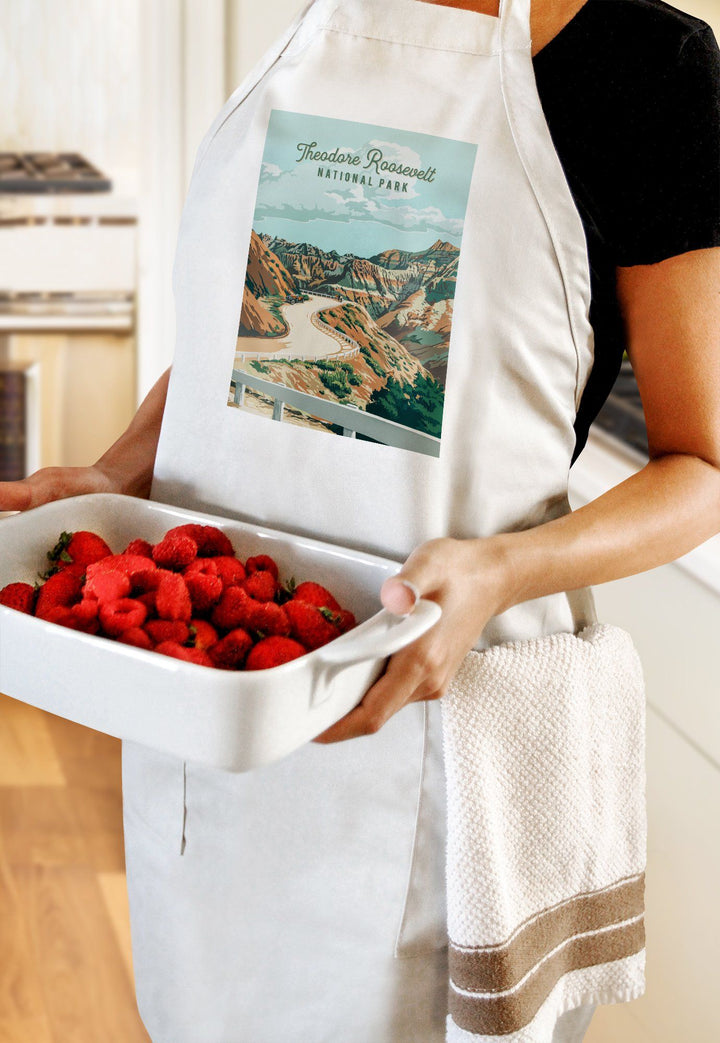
{"x": 234, "y": 720}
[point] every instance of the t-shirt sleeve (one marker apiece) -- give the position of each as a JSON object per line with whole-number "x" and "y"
{"x": 672, "y": 184}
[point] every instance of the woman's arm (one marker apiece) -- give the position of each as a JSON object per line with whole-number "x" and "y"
{"x": 126, "y": 467}
{"x": 671, "y": 312}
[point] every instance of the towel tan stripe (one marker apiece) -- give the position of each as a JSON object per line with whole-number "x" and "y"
{"x": 498, "y": 967}
{"x": 498, "y": 1015}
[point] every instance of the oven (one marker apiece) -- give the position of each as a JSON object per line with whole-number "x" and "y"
{"x": 68, "y": 292}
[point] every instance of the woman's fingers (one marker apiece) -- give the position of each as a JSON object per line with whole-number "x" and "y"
{"x": 396, "y": 687}
{"x": 15, "y": 496}
{"x": 51, "y": 483}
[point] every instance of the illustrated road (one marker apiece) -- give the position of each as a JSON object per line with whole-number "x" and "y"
{"x": 308, "y": 338}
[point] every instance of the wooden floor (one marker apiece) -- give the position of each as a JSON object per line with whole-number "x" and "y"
{"x": 65, "y": 958}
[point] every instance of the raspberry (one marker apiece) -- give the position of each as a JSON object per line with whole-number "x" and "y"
{"x": 130, "y": 564}
{"x": 160, "y": 630}
{"x": 123, "y": 614}
{"x": 230, "y": 570}
{"x": 261, "y": 563}
{"x": 148, "y": 600}
{"x": 204, "y": 584}
{"x": 229, "y": 653}
{"x": 232, "y": 610}
{"x": 273, "y": 651}
{"x": 136, "y": 636}
{"x": 141, "y": 547}
{"x": 261, "y": 585}
{"x": 175, "y": 552}
{"x": 20, "y": 596}
{"x": 107, "y": 586}
{"x": 190, "y": 655}
{"x": 211, "y": 541}
{"x": 309, "y": 625}
{"x": 202, "y": 634}
{"x": 86, "y": 609}
{"x": 69, "y": 617}
{"x": 314, "y": 594}
{"x": 148, "y": 579}
{"x": 173, "y": 598}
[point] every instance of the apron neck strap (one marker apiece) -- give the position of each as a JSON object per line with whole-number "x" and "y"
{"x": 515, "y": 24}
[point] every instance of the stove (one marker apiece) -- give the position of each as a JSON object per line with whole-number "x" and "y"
{"x": 22, "y": 172}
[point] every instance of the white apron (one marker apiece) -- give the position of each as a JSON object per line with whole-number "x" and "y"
{"x": 382, "y": 191}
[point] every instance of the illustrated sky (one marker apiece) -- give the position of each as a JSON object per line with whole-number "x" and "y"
{"x": 293, "y": 203}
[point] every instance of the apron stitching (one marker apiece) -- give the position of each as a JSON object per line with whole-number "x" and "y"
{"x": 547, "y": 217}
{"x": 240, "y": 101}
{"x": 184, "y": 815}
{"x": 418, "y": 808}
{"x": 424, "y": 46}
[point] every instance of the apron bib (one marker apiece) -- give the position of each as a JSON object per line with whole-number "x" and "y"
{"x": 382, "y": 295}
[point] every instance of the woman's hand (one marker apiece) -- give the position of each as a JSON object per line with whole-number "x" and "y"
{"x": 466, "y": 578}
{"x": 126, "y": 467}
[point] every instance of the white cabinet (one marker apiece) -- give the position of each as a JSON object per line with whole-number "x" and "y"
{"x": 674, "y": 619}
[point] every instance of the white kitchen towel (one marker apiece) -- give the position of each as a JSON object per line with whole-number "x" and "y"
{"x": 544, "y": 744}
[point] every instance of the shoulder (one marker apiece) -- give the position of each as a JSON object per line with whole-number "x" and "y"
{"x": 631, "y": 91}
{"x": 640, "y": 36}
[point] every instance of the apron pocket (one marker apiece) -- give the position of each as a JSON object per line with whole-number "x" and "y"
{"x": 423, "y": 925}
{"x": 153, "y": 785}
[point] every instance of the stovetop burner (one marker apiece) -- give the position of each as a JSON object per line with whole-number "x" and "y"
{"x": 49, "y": 172}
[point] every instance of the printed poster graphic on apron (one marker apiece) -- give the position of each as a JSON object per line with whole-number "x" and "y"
{"x": 351, "y": 276}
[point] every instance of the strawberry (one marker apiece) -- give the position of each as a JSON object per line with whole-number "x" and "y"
{"x": 202, "y": 634}
{"x": 120, "y": 615}
{"x": 62, "y": 590}
{"x": 159, "y": 630}
{"x": 273, "y": 651}
{"x": 107, "y": 586}
{"x": 269, "y": 619}
{"x": 77, "y": 548}
{"x": 137, "y": 637}
{"x": 309, "y": 623}
{"x": 261, "y": 563}
{"x": 314, "y": 594}
{"x": 211, "y": 542}
{"x": 173, "y": 598}
{"x": 346, "y": 620}
{"x": 190, "y": 655}
{"x": 230, "y": 570}
{"x": 230, "y": 653}
{"x": 261, "y": 585}
{"x": 175, "y": 552}
{"x": 20, "y": 596}
{"x": 141, "y": 547}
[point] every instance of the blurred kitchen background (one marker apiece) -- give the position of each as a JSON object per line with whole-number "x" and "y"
{"x": 123, "y": 91}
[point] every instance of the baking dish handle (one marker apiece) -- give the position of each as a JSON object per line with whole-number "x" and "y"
{"x": 390, "y": 635}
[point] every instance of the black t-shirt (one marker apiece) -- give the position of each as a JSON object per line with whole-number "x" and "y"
{"x": 631, "y": 94}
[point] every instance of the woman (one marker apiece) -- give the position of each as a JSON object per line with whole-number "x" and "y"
{"x": 487, "y": 533}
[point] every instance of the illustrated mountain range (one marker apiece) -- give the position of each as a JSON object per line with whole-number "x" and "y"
{"x": 397, "y": 305}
